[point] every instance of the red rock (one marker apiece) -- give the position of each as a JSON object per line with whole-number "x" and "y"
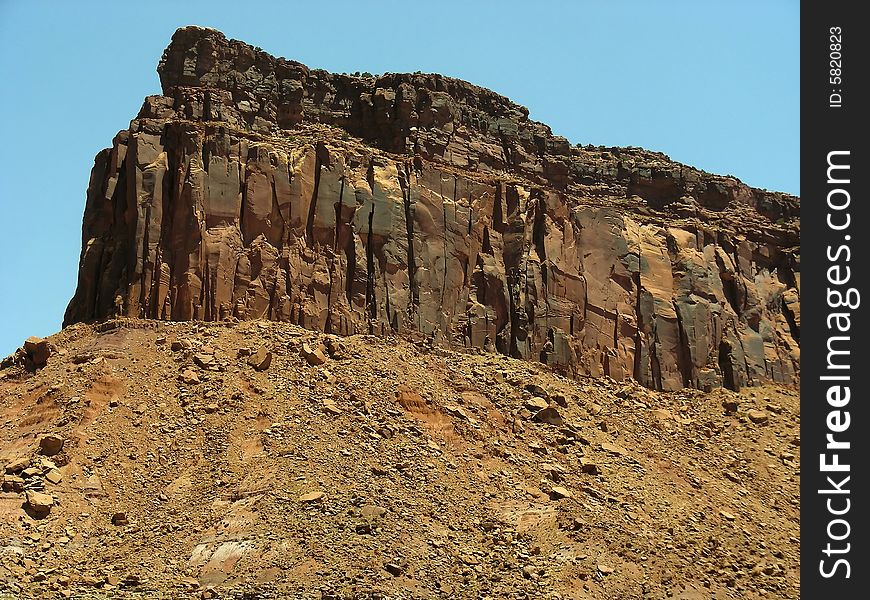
{"x": 261, "y": 359}
{"x": 38, "y": 350}
{"x": 312, "y": 497}
{"x": 38, "y": 502}
{"x": 313, "y": 355}
{"x": 536, "y": 403}
{"x": 758, "y": 417}
{"x": 203, "y": 360}
{"x": 189, "y": 377}
{"x": 50, "y": 445}
{"x": 558, "y": 492}
{"x": 549, "y": 415}
{"x": 17, "y": 465}
{"x": 669, "y": 278}
{"x": 13, "y": 483}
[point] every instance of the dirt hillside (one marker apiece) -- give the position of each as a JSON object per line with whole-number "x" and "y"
{"x": 260, "y": 459}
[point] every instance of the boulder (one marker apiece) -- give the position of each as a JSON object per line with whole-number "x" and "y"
{"x": 50, "y": 445}
{"x": 39, "y": 503}
{"x": 38, "y": 350}
{"x": 313, "y": 355}
{"x": 261, "y": 359}
{"x": 550, "y": 416}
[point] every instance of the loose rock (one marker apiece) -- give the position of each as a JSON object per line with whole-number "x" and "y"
{"x": 38, "y": 350}
{"x": 758, "y": 417}
{"x": 549, "y": 415}
{"x": 261, "y": 359}
{"x": 312, "y": 497}
{"x": 536, "y": 403}
{"x": 558, "y": 492}
{"x": 39, "y": 503}
{"x": 50, "y": 445}
{"x": 313, "y": 356}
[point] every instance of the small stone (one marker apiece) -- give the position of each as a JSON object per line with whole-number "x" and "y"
{"x": 50, "y": 445}
{"x": 31, "y": 472}
{"x": 370, "y": 511}
{"x": 312, "y": 497}
{"x": 330, "y": 407}
{"x": 120, "y": 519}
{"x": 203, "y": 360}
{"x": 178, "y": 345}
{"x": 614, "y": 449}
{"x": 54, "y": 476}
{"x": 189, "y": 377}
{"x": 456, "y": 411}
{"x": 39, "y": 503}
{"x": 17, "y": 465}
{"x": 13, "y": 483}
{"x": 605, "y": 569}
{"x": 393, "y": 569}
{"x": 588, "y": 467}
{"x": 554, "y": 472}
{"x": 535, "y": 390}
{"x": 261, "y": 359}
{"x": 334, "y": 347}
{"x": 663, "y": 414}
{"x": 313, "y": 356}
{"x": 470, "y": 559}
{"x": 558, "y": 492}
{"x": 727, "y": 515}
{"x": 758, "y": 417}
{"x": 549, "y": 415}
{"x": 537, "y": 448}
{"x": 730, "y": 406}
{"x": 536, "y": 403}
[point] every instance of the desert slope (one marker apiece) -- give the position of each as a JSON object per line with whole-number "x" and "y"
{"x": 260, "y": 459}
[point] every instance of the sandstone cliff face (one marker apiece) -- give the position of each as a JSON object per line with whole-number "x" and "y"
{"x": 255, "y": 187}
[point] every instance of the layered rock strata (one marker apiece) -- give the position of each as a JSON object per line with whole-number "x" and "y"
{"x": 255, "y": 187}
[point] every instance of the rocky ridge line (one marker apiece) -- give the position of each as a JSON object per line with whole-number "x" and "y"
{"x": 255, "y": 187}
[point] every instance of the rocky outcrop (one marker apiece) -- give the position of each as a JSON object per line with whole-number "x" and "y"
{"x": 255, "y": 187}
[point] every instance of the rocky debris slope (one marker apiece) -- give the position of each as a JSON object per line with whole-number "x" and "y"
{"x": 260, "y": 459}
{"x": 256, "y": 187}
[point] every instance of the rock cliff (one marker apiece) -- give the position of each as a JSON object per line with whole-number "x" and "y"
{"x": 255, "y": 187}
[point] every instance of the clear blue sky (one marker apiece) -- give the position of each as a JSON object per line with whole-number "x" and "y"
{"x": 712, "y": 84}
